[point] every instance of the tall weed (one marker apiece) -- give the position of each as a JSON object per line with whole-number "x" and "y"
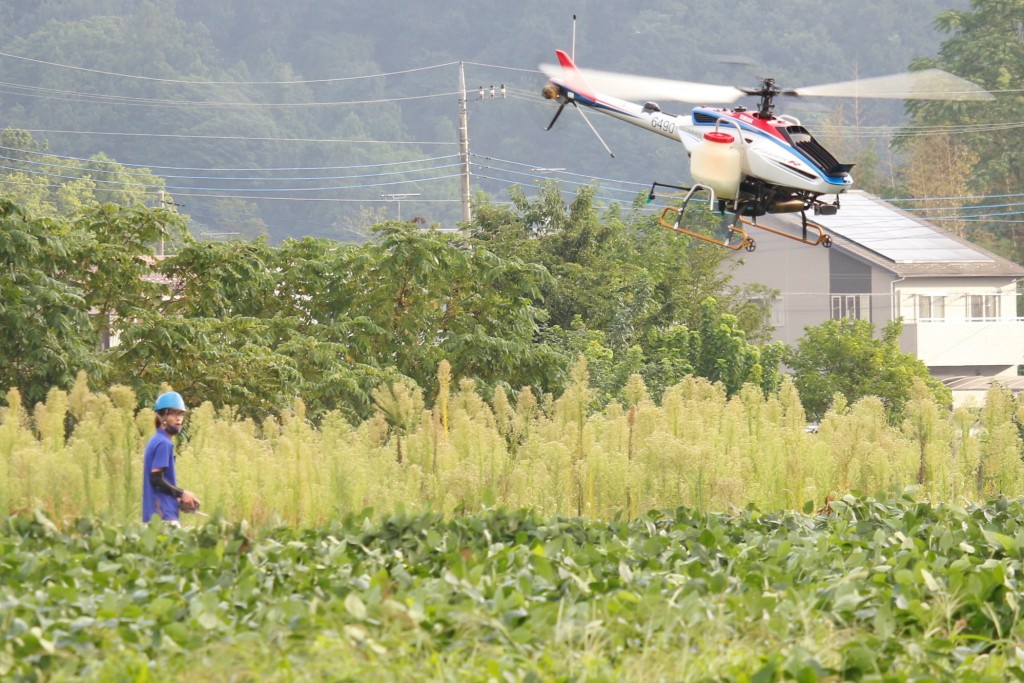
{"x": 79, "y": 453}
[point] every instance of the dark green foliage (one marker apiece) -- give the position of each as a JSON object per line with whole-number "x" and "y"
{"x": 114, "y": 266}
{"x": 631, "y": 296}
{"x": 253, "y": 326}
{"x": 66, "y": 285}
{"x": 45, "y": 335}
{"x": 866, "y": 590}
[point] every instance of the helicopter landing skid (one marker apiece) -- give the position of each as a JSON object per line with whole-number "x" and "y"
{"x": 672, "y": 217}
{"x": 811, "y": 234}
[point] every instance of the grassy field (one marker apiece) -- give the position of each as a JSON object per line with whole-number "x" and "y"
{"x": 895, "y": 590}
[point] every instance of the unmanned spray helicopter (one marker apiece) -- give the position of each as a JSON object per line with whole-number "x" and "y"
{"x": 748, "y": 162}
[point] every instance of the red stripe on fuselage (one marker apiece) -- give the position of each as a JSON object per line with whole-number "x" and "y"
{"x": 770, "y": 126}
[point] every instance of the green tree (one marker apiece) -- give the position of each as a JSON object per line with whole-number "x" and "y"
{"x": 622, "y": 275}
{"x": 631, "y": 296}
{"x": 254, "y": 326}
{"x": 717, "y": 350}
{"x": 723, "y": 354}
{"x": 430, "y": 297}
{"x": 246, "y": 325}
{"x": 984, "y": 47}
{"x": 45, "y": 335}
{"x": 230, "y": 362}
{"x": 114, "y": 264}
{"x": 669, "y": 358}
{"x": 224, "y": 279}
{"x": 938, "y": 171}
{"x": 47, "y": 185}
{"x": 845, "y": 357}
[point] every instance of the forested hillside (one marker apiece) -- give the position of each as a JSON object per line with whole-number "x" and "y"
{"x": 314, "y": 118}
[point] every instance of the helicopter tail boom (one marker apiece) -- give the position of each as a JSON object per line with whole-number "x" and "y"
{"x": 569, "y": 85}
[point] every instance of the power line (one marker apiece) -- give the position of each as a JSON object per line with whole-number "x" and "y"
{"x": 95, "y": 166}
{"x": 230, "y": 168}
{"x": 219, "y": 192}
{"x": 204, "y": 195}
{"x": 318, "y": 199}
{"x": 244, "y": 138}
{"x": 93, "y": 98}
{"x": 563, "y": 172}
{"x": 567, "y": 193}
{"x": 195, "y": 82}
{"x": 541, "y": 178}
{"x": 954, "y": 198}
{"x": 261, "y": 190}
{"x": 91, "y": 167}
{"x": 507, "y": 68}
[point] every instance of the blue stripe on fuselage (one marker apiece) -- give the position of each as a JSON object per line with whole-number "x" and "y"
{"x": 599, "y": 105}
{"x": 831, "y": 180}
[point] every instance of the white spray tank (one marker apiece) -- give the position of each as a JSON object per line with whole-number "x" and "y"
{"x": 715, "y": 162}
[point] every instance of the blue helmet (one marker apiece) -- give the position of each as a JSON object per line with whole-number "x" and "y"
{"x": 171, "y": 399}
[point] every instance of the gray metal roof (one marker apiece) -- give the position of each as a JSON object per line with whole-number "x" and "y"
{"x": 979, "y": 383}
{"x": 875, "y": 231}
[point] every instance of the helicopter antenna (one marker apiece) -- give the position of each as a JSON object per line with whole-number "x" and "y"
{"x": 572, "y": 50}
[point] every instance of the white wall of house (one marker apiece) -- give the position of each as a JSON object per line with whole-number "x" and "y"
{"x": 956, "y": 325}
{"x": 884, "y": 297}
{"x": 963, "y": 326}
{"x": 961, "y": 320}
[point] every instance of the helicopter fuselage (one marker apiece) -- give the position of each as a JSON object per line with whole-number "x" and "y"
{"x": 783, "y": 167}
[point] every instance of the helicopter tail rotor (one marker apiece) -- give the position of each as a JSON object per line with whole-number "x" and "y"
{"x": 557, "y": 114}
{"x": 571, "y": 84}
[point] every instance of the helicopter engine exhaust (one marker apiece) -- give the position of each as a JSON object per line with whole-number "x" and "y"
{"x": 787, "y": 206}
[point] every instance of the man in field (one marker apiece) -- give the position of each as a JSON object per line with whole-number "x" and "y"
{"x": 160, "y": 493}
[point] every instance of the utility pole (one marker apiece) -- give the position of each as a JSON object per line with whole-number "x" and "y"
{"x": 398, "y": 197}
{"x": 165, "y": 202}
{"x": 161, "y": 201}
{"x": 464, "y": 144}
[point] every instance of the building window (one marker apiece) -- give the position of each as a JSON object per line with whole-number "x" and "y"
{"x": 778, "y": 315}
{"x": 931, "y": 307}
{"x": 856, "y": 306}
{"x": 983, "y": 306}
{"x": 772, "y": 307}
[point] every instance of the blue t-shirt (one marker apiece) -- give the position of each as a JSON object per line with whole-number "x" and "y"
{"x": 159, "y": 454}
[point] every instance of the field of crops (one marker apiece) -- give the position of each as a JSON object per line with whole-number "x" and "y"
{"x": 868, "y": 590}
{"x": 310, "y": 570}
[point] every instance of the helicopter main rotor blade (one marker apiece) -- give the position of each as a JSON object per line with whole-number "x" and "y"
{"x": 930, "y": 84}
{"x": 629, "y": 87}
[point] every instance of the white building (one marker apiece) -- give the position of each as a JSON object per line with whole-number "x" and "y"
{"x": 958, "y": 301}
